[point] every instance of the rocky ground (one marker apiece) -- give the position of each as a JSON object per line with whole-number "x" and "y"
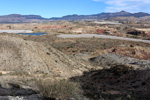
{"x": 117, "y": 83}
{"x": 32, "y": 97}
{"x": 108, "y": 60}
{"x": 125, "y": 29}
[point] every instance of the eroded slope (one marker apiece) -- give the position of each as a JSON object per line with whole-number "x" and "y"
{"x": 27, "y": 56}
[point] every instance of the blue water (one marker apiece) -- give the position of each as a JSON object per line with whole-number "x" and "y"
{"x": 37, "y": 34}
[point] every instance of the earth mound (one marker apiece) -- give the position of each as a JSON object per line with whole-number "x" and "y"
{"x": 31, "y": 57}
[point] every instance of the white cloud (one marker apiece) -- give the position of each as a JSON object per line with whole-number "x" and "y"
{"x": 127, "y": 5}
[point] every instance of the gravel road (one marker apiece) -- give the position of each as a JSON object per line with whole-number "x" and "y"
{"x": 16, "y": 31}
{"x": 100, "y": 36}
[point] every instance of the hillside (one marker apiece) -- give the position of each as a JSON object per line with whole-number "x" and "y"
{"x": 17, "y": 18}
{"x": 22, "y": 56}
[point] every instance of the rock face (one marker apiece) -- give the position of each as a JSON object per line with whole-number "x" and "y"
{"x": 26, "y": 56}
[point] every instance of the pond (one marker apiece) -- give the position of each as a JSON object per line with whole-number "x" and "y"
{"x": 37, "y": 34}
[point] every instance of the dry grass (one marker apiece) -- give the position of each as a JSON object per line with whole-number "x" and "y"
{"x": 59, "y": 90}
{"x": 1, "y": 74}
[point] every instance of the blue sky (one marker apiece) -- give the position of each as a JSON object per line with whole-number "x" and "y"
{"x": 58, "y": 8}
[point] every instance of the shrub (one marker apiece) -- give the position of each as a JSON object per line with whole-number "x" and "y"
{"x": 61, "y": 90}
{"x": 1, "y": 74}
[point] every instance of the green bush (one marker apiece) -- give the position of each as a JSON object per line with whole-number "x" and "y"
{"x": 61, "y": 90}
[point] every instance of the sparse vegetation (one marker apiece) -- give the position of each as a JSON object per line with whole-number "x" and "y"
{"x": 1, "y": 74}
{"x": 61, "y": 90}
{"x": 103, "y": 67}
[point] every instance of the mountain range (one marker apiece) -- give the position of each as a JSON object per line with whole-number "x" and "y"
{"x": 102, "y": 16}
{"x": 17, "y": 18}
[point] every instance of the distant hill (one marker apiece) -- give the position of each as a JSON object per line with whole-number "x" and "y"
{"x": 17, "y": 18}
{"x": 102, "y": 16}
{"x": 22, "y": 16}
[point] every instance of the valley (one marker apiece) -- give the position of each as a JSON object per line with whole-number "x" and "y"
{"x": 77, "y": 59}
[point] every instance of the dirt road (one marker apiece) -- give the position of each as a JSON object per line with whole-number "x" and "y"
{"x": 100, "y": 36}
{"x": 16, "y": 31}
